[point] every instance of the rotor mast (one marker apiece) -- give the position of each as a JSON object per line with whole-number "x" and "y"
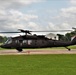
{"x": 25, "y": 31}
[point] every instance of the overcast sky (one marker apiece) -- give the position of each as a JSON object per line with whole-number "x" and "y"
{"x": 37, "y": 14}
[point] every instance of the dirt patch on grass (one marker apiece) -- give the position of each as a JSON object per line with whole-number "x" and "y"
{"x": 31, "y": 52}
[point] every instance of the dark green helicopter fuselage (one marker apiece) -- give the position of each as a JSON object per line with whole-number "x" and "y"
{"x": 35, "y": 41}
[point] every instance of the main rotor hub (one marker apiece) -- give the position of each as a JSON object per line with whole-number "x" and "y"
{"x": 25, "y": 31}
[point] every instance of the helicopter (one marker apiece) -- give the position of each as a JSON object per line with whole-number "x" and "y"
{"x": 34, "y": 41}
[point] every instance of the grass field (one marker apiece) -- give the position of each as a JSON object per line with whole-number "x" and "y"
{"x": 38, "y": 64}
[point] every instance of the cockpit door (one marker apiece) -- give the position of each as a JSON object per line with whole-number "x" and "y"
{"x": 19, "y": 42}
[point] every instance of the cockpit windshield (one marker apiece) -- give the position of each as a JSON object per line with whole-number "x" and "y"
{"x": 9, "y": 40}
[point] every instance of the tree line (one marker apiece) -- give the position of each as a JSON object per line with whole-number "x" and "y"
{"x": 67, "y": 36}
{"x": 3, "y": 39}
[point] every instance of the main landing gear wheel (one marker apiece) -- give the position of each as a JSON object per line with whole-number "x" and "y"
{"x": 19, "y": 49}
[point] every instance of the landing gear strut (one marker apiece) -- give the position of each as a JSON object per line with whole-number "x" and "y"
{"x": 19, "y": 49}
{"x": 68, "y": 48}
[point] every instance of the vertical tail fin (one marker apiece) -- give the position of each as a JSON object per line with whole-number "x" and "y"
{"x": 73, "y": 40}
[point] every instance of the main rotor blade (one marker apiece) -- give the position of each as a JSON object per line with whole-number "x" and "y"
{"x": 53, "y": 31}
{"x": 10, "y": 32}
{"x": 28, "y": 31}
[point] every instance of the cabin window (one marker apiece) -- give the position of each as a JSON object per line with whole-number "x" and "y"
{"x": 24, "y": 41}
{"x": 16, "y": 41}
{"x": 29, "y": 42}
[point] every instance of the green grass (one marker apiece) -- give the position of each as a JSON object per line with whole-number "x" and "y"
{"x": 38, "y": 65}
{"x": 72, "y": 47}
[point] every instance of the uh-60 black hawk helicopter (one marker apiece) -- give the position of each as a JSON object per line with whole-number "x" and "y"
{"x": 34, "y": 41}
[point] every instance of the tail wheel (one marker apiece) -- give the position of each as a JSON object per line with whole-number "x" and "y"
{"x": 68, "y": 48}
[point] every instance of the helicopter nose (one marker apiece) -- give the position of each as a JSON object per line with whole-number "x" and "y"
{"x": 2, "y": 46}
{"x": 5, "y": 46}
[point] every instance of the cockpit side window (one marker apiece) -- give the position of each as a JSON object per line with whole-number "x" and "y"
{"x": 9, "y": 40}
